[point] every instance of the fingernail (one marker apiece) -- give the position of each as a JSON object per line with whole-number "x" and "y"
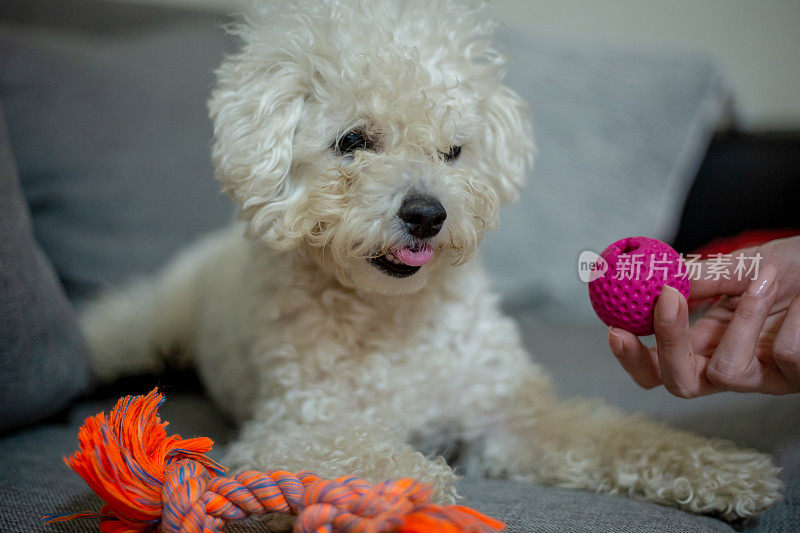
{"x": 616, "y": 341}
{"x": 763, "y": 284}
{"x": 668, "y": 305}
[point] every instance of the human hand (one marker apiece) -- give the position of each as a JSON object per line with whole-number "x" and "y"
{"x": 748, "y": 341}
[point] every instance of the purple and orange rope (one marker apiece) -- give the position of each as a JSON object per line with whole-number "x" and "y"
{"x": 152, "y": 482}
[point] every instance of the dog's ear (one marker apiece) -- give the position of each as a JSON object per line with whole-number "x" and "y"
{"x": 256, "y": 110}
{"x": 508, "y": 141}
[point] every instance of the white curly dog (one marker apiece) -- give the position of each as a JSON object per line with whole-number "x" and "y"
{"x": 369, "y": 145}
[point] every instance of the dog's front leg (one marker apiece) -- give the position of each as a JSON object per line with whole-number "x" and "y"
{"x": 583, "y": 444}
{"x": 369, "y": 449}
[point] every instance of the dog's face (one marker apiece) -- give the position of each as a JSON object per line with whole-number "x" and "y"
{"x": 374, "y": 135}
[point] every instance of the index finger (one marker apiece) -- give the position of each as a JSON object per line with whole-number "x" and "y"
{"x": 735, "y": 364}
{"x": 724, "y": 273}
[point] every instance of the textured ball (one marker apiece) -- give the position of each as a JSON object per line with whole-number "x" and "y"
{"x": 625, "y": 294}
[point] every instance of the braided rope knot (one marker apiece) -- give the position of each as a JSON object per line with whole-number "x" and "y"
{"x": 154, "y": 482}
{"x": 198, "y": 501}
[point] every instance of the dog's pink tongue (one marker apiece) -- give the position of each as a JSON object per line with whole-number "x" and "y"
{"x": 414, "y": 258}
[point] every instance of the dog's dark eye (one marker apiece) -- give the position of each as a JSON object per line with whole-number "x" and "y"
{"x": 452, "y": 155}
{"x": 351, "y": 141}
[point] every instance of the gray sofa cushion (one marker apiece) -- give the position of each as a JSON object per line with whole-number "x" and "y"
{"x": 42, "y": 357}
{"x": 527, "y": 507}
{"x": 784, "y": 516}
{"x": 113, "y": 142}
{"x": 620, "y": 135}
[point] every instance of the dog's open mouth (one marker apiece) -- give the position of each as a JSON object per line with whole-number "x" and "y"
{"x": 404, "y": 262}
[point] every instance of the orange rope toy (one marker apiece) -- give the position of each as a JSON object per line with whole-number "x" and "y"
{"x": 152, "y": 482}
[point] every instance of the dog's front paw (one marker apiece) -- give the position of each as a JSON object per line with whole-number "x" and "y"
{"x": 715, "y": 478}
{"x": 436, "y": 473}
{"x": 352, "y": 451}
{"x": 406, "y": 463}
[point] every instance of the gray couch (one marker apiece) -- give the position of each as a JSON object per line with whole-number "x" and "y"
{"x": 106, "y": 124}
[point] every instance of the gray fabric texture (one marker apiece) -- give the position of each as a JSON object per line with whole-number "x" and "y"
{"x": 112, "y": 142}
{"x": 526, "y": 507}
{"x": 42, "y": 357}
{"x": 784, "y": 517}
{"x": 620, "y": 134}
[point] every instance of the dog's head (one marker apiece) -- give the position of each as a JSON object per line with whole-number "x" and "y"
{"x": 374, "y": 135}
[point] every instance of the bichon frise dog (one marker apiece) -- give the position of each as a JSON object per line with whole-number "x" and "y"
{"x": 346, "y": 321}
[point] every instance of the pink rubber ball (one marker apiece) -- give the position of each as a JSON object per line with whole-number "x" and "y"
{"x": 625, "y": 293}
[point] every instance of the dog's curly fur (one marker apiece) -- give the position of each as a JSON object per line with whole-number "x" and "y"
{"x": 339, "y": 367}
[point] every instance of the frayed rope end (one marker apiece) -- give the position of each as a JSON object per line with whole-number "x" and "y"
{"x": 154, "y": 482}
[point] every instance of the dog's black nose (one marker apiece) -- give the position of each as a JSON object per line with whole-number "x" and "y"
{"x": 423, "y": 216}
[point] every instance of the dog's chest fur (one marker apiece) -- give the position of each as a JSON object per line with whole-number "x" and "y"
{"x": 302, "y": 347}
